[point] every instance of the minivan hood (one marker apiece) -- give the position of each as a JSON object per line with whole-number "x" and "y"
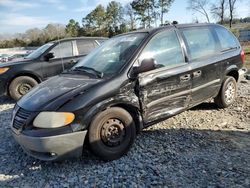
{"x": 52, "y": 91}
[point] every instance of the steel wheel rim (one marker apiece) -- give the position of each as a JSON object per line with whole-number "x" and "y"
{"x": 113, "y": 132}
{"x": 24, "y": 88}
{"x": 230, "y": 92}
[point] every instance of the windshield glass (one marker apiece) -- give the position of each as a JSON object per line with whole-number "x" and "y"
{"x": 112, "y": 54}
{"x": 39, "y": 51}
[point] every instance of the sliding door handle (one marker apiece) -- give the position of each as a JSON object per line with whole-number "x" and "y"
{"x": 185, "y": 77}
{"x": 197, "y": 73}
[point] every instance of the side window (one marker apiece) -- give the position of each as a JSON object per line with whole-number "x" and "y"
{"x": 200, "y": 42}
{"x": 63, "y": 49}
{"x": 165, "y": 49}
{"x": 85, "y": 46}
{"x": 227, "y": 40}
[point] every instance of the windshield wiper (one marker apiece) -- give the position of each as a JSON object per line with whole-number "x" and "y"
{"x": 88, "y": 69}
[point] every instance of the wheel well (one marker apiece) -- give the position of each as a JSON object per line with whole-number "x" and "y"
{"x": 234, "y": 74}
{"x": 134, "y": 112}
{"x": 23, "y": 74}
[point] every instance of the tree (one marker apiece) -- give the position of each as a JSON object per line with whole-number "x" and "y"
{"x": 53, "y": 31}
{"x": 231, "y": 4}
{"x": 200, "y": 6}
{"x": 218, "y": 10}
{"x": 72, "y": 28}
{"x": 32, "y": 35}
{"x": 146, "y": 11}
{"x": 131, "y": 16}
{"x": 140, "y": 7}
{"x": 164, "y": 6}
{"x": 154, "y": 13}
{"x": 95, "y": 22}
{"x": 114, "y": 14}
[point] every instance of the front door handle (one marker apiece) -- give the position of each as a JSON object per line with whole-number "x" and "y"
{"x": 185, "y": 77}
{"x": 197, "y": 73}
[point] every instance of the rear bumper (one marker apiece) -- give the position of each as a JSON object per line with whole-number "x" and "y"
{"x": 52, "y": 148}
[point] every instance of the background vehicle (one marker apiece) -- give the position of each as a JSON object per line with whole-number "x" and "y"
{"x": 5, "y": 58}
{"x": 17, "y": 77}
{"x": 130, "y": 82}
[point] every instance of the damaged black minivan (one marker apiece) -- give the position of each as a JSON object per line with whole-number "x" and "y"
{"x": 130, "y": 82}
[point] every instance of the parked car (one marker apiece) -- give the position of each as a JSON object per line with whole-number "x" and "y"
{"x": 132, "y": 81}
{"x": 4, "y": 58}
{"x": 19, "y": 76}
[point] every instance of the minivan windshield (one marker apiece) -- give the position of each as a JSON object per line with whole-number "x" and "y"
{"x": 39, "y": 51}
{"x": 110, "y": 57}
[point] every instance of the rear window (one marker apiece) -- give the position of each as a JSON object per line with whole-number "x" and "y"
{"x": 200, "y": 42}
{"x": 226, "y": 38}
{"x": 85, "y": 46}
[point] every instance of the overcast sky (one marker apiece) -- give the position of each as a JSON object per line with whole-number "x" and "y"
{"x": 20, "y": 15}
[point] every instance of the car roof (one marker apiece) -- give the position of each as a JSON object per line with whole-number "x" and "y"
{"x": 153, "y": 30}
{"x": 80, "y": 38}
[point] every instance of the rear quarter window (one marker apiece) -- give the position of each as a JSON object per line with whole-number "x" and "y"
{"x": 200, "y": 42}
{"x": 227, "y": 39}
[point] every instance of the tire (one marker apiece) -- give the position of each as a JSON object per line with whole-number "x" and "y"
{"x": 20, "y": 86}
{"x": 227, "y": 94}
{"x": 115, "y": 122}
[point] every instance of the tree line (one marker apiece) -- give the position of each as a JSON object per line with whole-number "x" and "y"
{"x": 222, "y": 10}
{"x": 116, "y": 19}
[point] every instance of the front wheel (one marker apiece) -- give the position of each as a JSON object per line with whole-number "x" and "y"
{"x": 20, "y": 86}
{"x": 227, "y": 94}
{"x": 111, "y": 133}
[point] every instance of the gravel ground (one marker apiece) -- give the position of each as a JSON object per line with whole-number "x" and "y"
{"x": 202, "y": 147}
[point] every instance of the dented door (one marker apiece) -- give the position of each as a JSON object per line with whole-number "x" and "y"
{"x": 164, "y": 93}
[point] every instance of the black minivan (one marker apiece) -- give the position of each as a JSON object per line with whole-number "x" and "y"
{"x": 19, "y": 76}
{"x": 130, "y": 82}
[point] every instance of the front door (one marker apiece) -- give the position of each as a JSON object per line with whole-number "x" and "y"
{"x": 164, "y": 91}
{"x": 63, "y": 60}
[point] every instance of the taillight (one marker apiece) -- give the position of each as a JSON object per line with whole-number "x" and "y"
{"x": 242, "y": 56}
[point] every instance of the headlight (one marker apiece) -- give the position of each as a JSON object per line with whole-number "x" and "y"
{"x": 53, "y": 119}
{"x": 3, "y": 70}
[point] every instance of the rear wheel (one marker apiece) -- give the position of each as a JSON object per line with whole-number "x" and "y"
{"x": 111, "y": 133}
{"x": 227, "y": 94}
{"x": 20, "y": 86}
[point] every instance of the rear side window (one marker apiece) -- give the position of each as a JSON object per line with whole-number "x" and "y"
{"x": 165, "y": 49}
{"x": 227, "y": 40}
{"x": 63, "y": 49}
{"x": 85, "y": 46}
{"x": 200, "y": 42}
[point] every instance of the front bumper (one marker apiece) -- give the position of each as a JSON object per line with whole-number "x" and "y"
{"x": 52, "y": 148}
{"x": 2, "y": 87}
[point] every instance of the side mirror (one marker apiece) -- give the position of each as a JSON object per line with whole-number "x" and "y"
{"x": 146, "y": 65}
{"x": 49, "y": 56}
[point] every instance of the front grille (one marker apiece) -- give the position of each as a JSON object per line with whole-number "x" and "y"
{"x": 20, "y": 118}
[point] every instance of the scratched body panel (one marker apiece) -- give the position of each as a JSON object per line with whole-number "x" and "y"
{"x": 163, "y": 94}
